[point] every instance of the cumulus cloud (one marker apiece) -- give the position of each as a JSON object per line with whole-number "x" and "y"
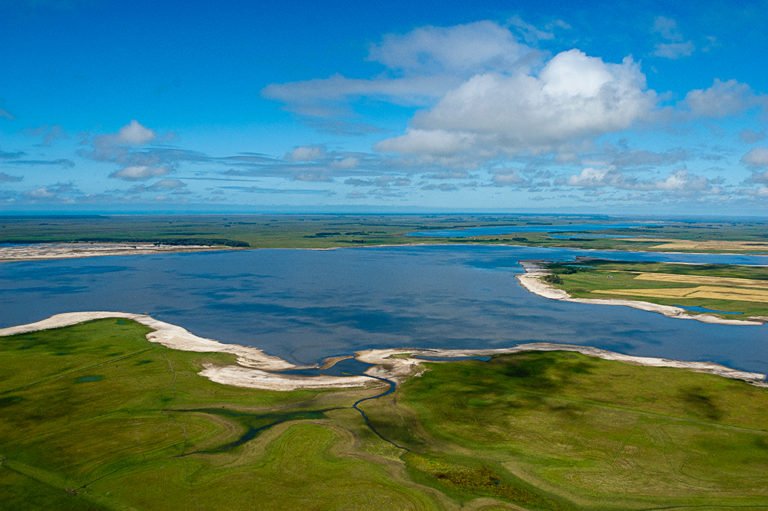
{"x": 57, "y": 192}
{"x": 420, "y": 66}
{"x": 680, "y": 181}
{"x": 348, "y": 162}
{"x": 306, "y": 153}
{"x": 139, "y": 172}
{"x": 469, "y": 48}
{"x": 507, "y": 177}
{"x": 572, "y": 97}
{"x": 134, "y": 133}
{"x": 757, "y": 157}
{"x": 722, "y": 99}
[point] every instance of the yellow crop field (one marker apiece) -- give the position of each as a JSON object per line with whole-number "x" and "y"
{"x": 706, "y": 245}
{"x": 703, "y": 280}
{"x": 707, "y": 292}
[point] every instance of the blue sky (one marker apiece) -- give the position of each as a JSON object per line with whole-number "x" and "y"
{"x": 609, "y": 107}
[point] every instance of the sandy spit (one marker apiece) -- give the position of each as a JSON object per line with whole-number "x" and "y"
{"x": 256, "y": 369}
{"x": 532, "y": 281}
{"x": 253, "y": 365}
{"x": 43, "y": 251}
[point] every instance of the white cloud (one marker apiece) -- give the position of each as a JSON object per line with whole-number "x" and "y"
{"x": 683, "y": 181}
{"x": 757, "y": 157}
{"x": 421, "y": 66}
{"x": 680, "y": 181}
{"x": 533, "y": 34}
{"x": 592, "y": 178}
{"x": 667, "y": 28}
{"x": 5, "y": 114}
{"x": 349, "y": 162}
{"x": 432, "y": 142}
{"x": 139, "y": 172}
{"x": 306, "y": 153}
{"x": 673, "y": 45}
{"x": 507, "y": 177}
{"x": 135, "y": 134}
{"x": 469, "y": 48}
{"x": 167, "y": 184}
{"x": 674, "y": 50}
{"x": 723, "y": 98}
{"x": 574, "y": 96}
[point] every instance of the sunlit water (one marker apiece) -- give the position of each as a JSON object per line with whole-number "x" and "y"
{"x": 306, "y": 304}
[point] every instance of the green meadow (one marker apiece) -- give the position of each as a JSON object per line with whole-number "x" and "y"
{"x": 94, "y": 416}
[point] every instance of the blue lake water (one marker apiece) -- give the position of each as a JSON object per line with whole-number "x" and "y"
{"x": 305, "y": 305}
{"x": 509, "y": 229}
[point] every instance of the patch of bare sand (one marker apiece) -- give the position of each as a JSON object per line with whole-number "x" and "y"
{"x": 41, "y": 251}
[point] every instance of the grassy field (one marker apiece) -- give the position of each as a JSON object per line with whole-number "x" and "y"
{"x": 95, "y": 417}
{"x": 324, "y": 231}
{"x": 736, "y": 292}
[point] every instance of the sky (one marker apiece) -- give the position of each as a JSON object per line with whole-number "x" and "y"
{"x": 618, "y": 107}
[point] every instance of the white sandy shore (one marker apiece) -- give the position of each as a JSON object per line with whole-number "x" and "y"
{"x": 532, "y": 281}
{"x": 253, "y": 365}
{"x": 41, "y": 251}
{"x": 256, "y": 369}
{"x": 388, "y": 362}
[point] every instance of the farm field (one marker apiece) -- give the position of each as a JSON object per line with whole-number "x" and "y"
{"x": 729, "y": 291}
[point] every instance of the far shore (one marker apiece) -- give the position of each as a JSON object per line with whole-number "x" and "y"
{"x": 256, "y": 369}
{"x": 42, "y": 251}
{"x": 46, "y": 251}
{"x": 532, "y": 281}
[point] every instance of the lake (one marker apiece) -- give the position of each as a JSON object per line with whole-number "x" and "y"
{"x": 304, "y": 305}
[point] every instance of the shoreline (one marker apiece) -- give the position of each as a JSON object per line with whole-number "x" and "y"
{"x": 532, "y": 281}
{"x": 256, "y": 369}
{"x": 81, "y": 249}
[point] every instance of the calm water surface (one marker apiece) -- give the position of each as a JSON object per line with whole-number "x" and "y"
{"x": 304, "y": 305}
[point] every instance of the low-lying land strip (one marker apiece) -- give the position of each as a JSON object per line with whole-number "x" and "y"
{"x": 31, "y": 252}
{"x": 96, "y": 417}
{"x": 727, "y": 294}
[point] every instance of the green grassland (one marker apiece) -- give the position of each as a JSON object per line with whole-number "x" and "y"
{"x": 581, "y": 280}
{"x": 95, "y": 417}
{"x": 325, "y": 231}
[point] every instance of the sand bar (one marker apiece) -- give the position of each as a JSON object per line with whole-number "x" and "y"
{"x": 42, "y": 251}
